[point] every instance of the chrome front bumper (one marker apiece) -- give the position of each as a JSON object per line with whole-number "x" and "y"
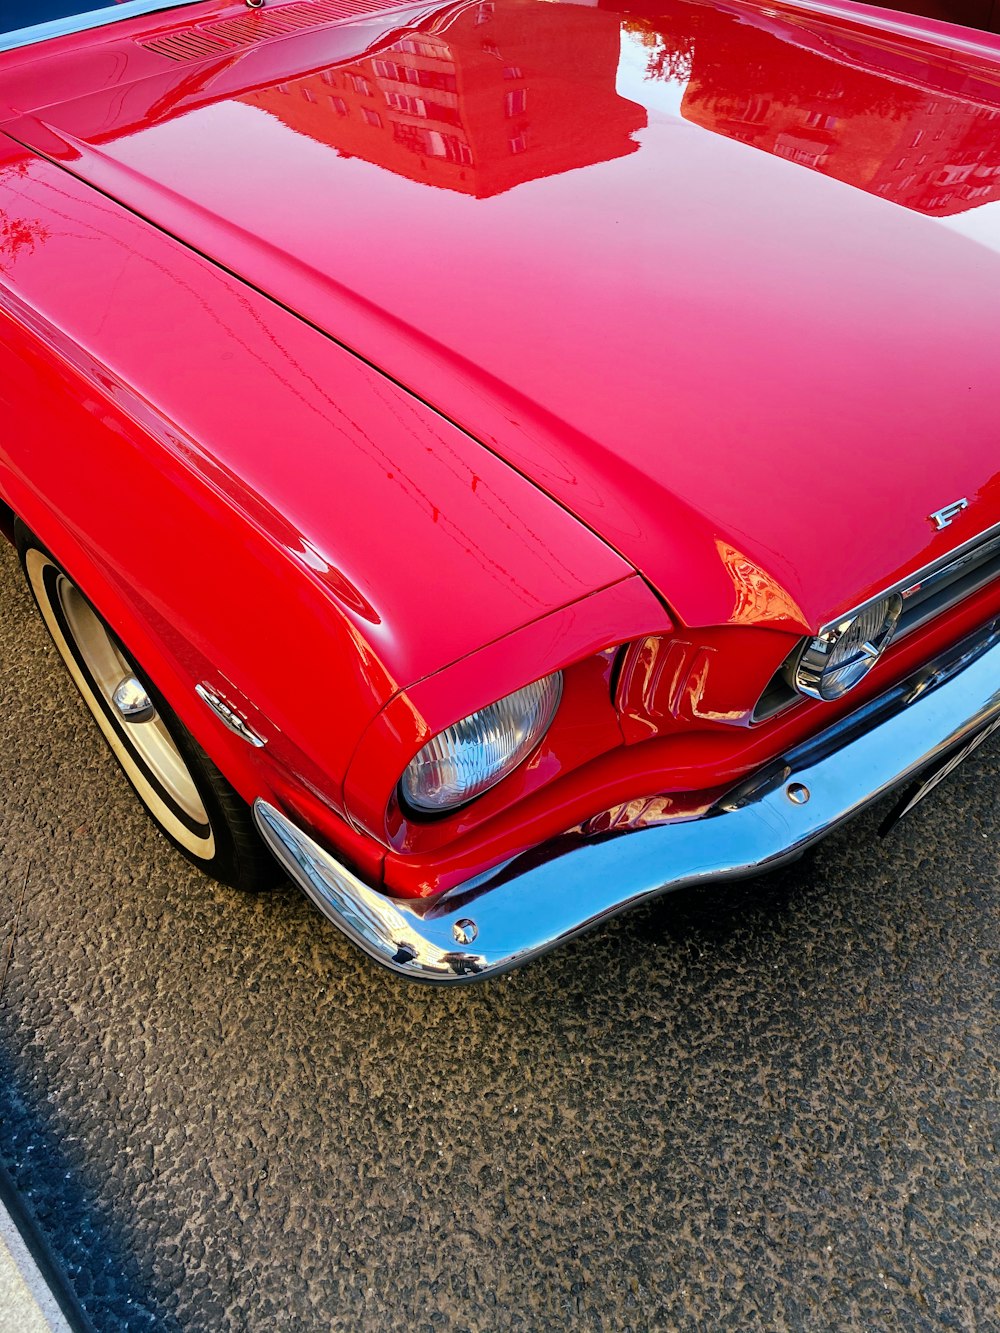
{"x": 545, "y": 897}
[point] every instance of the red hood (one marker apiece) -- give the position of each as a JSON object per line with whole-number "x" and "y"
{"x": 724, "y": 283}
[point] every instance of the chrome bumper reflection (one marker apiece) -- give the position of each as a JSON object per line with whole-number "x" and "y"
{"x": 547, "y": 896}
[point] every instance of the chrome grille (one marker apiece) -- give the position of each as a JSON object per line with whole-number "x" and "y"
{"x": 926, "y": 594}
{"x": 959, "y": 575}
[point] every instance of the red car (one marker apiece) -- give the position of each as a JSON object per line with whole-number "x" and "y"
{"x": 507, "y": 459}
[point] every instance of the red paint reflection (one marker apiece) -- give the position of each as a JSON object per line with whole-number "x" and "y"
{"x": 891, "y": 121}
{"x": 479, "y": 103}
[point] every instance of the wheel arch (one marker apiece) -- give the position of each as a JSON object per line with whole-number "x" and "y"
{"x": 30, "y": 516}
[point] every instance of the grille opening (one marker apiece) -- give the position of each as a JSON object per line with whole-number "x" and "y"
{"x": 940, "y": 587}
{"x": 186, "y": 46}
{"x": 779, "y": 693}
{"x": 944, "y": 587}
{"x": 258, "y": 25}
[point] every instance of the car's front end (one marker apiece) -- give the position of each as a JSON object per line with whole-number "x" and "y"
{"x": 914, "y": 733}
{"x": 614, "y": 392}
{"x": 681, "y": 804}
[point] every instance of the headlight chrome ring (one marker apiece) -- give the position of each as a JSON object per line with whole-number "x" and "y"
{"x": 473, "y": 755}
{"x": 839, "y": 658}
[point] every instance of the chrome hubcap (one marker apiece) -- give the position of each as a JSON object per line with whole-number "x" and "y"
{"x": 132, "y": 701}
{"x": 115, "y": 678}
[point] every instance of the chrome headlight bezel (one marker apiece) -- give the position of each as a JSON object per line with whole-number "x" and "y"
{"x": 841, "y": 655}
{"x": 488, "y": 744}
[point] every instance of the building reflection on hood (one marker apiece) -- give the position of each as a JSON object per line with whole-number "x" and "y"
{"x": 908, "y": 126}
{"x": 484, "y": 99}
{"x": 481, "y": 97}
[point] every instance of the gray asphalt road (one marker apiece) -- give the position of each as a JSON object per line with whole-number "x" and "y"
{"x": 772, "y": 1107}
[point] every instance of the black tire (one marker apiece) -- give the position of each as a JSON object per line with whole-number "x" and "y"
{"x": 181, "y": 789}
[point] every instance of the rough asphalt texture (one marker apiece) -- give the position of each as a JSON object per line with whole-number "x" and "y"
{"x": 770, "y": 1107}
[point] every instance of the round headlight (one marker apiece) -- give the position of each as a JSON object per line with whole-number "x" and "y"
{"x": 834, "y": 662}
{"x": 474, "y": 754}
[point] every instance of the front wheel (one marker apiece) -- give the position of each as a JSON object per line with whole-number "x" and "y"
{"x": 182, "y": 790}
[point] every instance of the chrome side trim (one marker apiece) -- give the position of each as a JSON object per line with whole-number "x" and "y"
{"x": 228, "y": 716}
{"x": 546, "y": 897}
{"x": 97, "y": 18}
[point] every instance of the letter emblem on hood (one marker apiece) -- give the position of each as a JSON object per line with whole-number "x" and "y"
{"x": 941, "y": 518}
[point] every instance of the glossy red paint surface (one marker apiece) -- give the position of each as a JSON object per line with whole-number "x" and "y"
{"x": 369, "y": 507}
{"x": 691, "y": 344}
{"x": 576, "y": 641}
{"x": 374, "y": 368}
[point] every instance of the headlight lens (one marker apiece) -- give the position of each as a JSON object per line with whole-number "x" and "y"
{"x": 474, "y": 754}
{"x": 837, "y": 660}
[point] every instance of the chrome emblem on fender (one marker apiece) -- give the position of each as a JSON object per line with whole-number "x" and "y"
{"x": 941, "y": 518}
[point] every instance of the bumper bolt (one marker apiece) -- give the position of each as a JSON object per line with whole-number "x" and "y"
{"x": 797, "y": 792}
{"x": 465, "y": 931}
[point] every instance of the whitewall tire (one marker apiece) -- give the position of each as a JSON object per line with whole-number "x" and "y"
{"x": 182, "y": 790}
